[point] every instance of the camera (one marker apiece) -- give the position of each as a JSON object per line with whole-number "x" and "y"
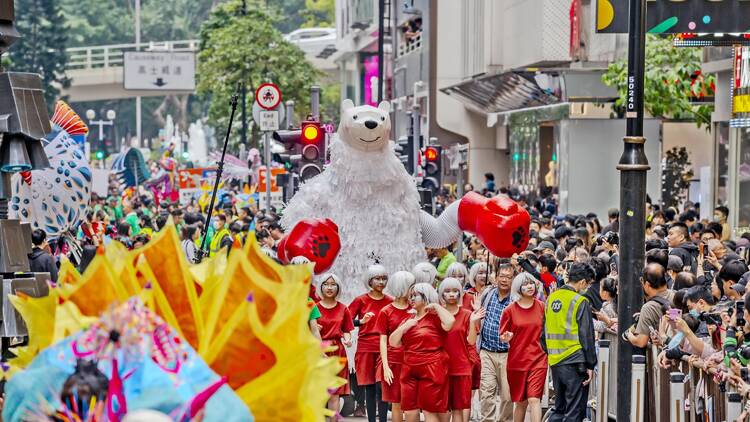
{"x": 740, "y": 312}
{"x": 610, "y": 237}
{"x": 711, "y": 319}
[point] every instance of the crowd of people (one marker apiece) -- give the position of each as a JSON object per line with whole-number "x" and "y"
{"x": 470, "y": 336}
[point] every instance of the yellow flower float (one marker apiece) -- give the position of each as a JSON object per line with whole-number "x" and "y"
{"x": 245, "y": 315}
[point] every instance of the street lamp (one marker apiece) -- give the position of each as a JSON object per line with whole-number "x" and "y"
{"x": 91, "y": 115}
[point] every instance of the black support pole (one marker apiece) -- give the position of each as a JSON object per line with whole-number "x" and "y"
{"x": 243, "y": 132}
{"x": 633, "y": 166}
{"x": 381, "y": 41}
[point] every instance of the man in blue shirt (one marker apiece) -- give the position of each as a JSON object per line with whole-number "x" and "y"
{"x": 493, "y": 352}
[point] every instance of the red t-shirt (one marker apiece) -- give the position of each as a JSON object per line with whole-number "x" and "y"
{"x": 457, "y": 346}
{"x": 334, "y": 323}
{"x": 389, "y": 319}
{"x": 423, "y": 343}
{"x": 468, "y": 299}
{"x": 525, "y": 347}
{"x": 369, "y": 337}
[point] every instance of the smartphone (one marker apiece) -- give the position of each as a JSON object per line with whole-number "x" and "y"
{"x": 673, "y": 314}
{"x": 740, "y": 313}
{"x": 703, "y": 249}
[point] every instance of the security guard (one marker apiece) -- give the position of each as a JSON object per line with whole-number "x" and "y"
{"x": 222, "y": 238}
{"x": 568, "y": 339}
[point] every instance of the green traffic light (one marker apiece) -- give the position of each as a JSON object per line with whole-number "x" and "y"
{"x": 99, "y": 155}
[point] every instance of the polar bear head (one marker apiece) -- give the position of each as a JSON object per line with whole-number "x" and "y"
{"x": 365, "y": 127}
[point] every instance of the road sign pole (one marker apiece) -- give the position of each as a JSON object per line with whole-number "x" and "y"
{"x": 633, "y": 166}
{"x": 315, "y": 102}
{"x": 267, "y": 154}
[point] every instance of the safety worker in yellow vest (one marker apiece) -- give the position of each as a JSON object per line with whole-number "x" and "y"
{"x": 568, "y": 340}
{"x": 222, "y": 238}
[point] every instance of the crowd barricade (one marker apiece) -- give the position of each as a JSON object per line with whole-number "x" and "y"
{"x": 684, "y": 393}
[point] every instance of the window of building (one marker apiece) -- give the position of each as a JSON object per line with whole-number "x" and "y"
{"x": 721, "y": 176}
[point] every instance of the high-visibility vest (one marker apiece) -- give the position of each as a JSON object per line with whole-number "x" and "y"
{"x": 217, "y": 239}
{"x": 560, "y": 324}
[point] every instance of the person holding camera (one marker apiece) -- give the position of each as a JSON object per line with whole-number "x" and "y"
{"x": 568, "y": 340}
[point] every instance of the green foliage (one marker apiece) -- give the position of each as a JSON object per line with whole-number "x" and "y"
{"x": 236, "y": 47}
{"x": 41, "y": 48}
{"x": 319, "y": 13}
{"x": 676, "y": 176}
{"x": 668, "y": 89}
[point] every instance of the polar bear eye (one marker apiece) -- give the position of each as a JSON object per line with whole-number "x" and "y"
{"x": 382, "y": 118}
{"x": 355, "y": 117}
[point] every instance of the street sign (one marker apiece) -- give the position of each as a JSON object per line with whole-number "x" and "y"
{"x": 268, "y": 96}
{"x": 674, "y": 17}
{"x": 257, "y": 110}
{"x": 269, "y": 121}
{"x": 159, "y": 71}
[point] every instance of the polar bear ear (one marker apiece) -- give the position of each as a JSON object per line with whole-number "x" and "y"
{"x": 346, "y": 105}
{"x": 385, "y": 106}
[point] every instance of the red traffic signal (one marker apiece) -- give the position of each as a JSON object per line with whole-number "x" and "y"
{"x": 431, "y": 154}
{"x": 312, "y": 133}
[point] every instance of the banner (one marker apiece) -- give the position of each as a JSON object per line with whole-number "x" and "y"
{"x": 191, "y": 180}
{"x": 741, "y": 88}
{"x": 677, "y": 16}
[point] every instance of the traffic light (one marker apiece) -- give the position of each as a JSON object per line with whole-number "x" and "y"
{"x": 305, "y": 149}
{"x": 433, "y": 167}
{"x": 99, "y": 155}
{"x": 405, "y": 151}
{"x": 313, "y": 149}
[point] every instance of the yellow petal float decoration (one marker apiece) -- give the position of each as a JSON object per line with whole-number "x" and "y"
{"x": 246, "y": 315}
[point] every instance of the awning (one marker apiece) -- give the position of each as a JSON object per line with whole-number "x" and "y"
{"x": 527, "y": 88}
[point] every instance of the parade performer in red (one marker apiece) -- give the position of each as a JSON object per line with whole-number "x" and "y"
{"x": 458, "y": 348}
{"x": 424, "y": 374}
{"x": 365, "y": 310}
{"x": 391, "y": 358}
{"x": 521, "y": 327}
{"x": 478, "y": 281}
{"x": 336, "y": 325}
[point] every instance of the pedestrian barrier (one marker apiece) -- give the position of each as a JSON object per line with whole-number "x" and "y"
{"x": 688, "y": 392}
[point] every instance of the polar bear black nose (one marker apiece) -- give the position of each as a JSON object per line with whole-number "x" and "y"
{"x": 371, "y": 124}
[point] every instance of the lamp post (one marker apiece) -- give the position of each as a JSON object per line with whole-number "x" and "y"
{"x": 633, "y": 166}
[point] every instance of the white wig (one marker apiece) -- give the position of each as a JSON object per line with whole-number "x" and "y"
{"x": 451, "y": 283}
{"x": 322, "y": 279}
{"x": 457, "y": 269}
{"x": 475, "y": 269}
{"x": 424, "y": 272}
{"x": 518, "y": 281}
{"x": 399, "y": 283}
{"x": 427, "y": 291}
{"x": 373, "y": 271}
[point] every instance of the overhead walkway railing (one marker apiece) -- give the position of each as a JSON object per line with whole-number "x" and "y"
{"x": 105, "y": 56}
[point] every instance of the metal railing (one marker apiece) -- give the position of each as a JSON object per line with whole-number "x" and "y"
{"x": 105, "y": 56}
{"x": 688, "y": 392}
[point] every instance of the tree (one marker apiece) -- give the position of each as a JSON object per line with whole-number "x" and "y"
{"x": 673, "y": 82}
{"x": 236, "y": 47}
{"x": 41, "y": 48}
{"x": 319, "y": 13}
{"x": 676, "y": 176}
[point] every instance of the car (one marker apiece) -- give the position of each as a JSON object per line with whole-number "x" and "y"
{"x": 312, "y": 40}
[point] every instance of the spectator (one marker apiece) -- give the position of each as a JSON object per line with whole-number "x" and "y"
{"x": 613, "y": 216}
{"x": 680, "y": 245}
{"x": 489, "y": 182}
{"x": 40, "y": 260}
{"x": 606, "y": 319}
{"x": 659, "y": 299}
{"x": 721, "y": 214}
{"x": 446, "y": 259}
{"x": 190, "y": 236}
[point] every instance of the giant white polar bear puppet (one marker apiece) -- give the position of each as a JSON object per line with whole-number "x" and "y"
{"x": 367, "y": 193}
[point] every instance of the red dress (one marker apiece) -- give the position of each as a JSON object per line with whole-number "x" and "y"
{"x": 527, "y": 363}
{"x": 334, "y": 323}
{"x": 389, "y": 319}
{"x": 459, "y": 364}
{"x": 476, "y": 363}
{"x": 368, "y": 341}
{"x": 424, "y": 374}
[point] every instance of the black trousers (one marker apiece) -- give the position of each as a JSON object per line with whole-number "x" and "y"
{"x": 570, "y": 393}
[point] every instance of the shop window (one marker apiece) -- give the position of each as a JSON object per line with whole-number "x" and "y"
{"x": 721, "y": 166}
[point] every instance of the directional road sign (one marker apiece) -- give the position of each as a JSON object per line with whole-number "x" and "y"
{"x": 159, "y": 71}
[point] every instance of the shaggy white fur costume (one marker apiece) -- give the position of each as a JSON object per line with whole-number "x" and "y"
{"x": 367, "y": 192}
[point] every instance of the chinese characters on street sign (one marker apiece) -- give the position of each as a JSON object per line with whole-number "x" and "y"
{"x": 160, "y": 71}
